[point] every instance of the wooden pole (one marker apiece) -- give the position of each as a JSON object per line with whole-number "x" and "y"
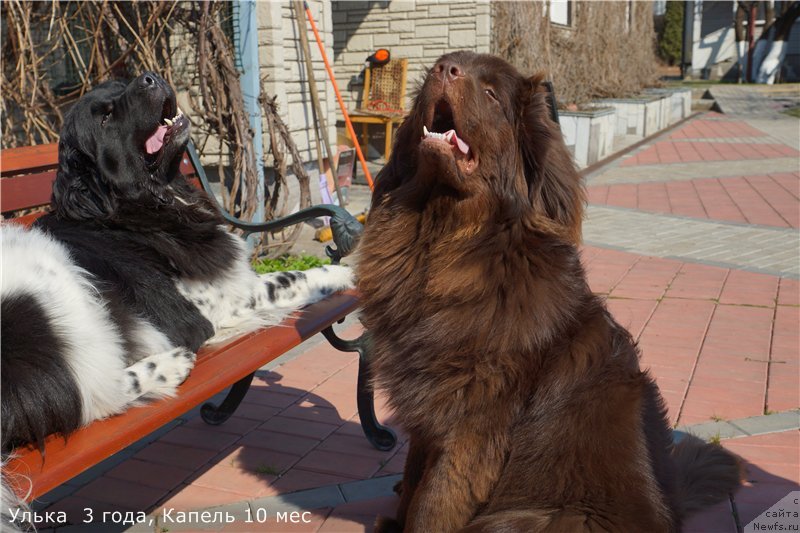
{"x": 319, "y": 123}
{"x": 339, "y": 97}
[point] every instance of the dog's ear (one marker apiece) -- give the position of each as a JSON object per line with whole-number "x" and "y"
{"x": 554, "y": 185}
{"x": 79, "y": 191}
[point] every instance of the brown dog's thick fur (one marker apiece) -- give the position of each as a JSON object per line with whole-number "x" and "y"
{"x": 523, "y": 398}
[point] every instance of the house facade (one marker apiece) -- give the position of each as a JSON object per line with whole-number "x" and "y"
{"x": 713, "y": 41}
{"x": 419, "y": 30}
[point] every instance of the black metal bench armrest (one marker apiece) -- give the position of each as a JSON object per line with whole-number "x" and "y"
{"x": 345, "y": 228}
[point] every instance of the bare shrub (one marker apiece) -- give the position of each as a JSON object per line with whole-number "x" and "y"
{"x": 607, "y": 51}
{"x": 54, "y": 52}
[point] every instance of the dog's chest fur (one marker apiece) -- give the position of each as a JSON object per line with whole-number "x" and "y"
{"x": 461, "y": 315}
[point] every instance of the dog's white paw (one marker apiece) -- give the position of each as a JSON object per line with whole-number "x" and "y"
{"x": 159, "y": 375}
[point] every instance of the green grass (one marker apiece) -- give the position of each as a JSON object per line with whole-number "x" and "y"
{"x": 288, "y": 262}
{"x": 717, "y": 418}
{"x": 793, "y": 112}
{"x": 715, "y": 440}
{"x": 266, "y": 470}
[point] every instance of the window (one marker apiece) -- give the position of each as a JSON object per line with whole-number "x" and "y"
{"x": 628, "y": 16}
{"x": 561, "y": 12}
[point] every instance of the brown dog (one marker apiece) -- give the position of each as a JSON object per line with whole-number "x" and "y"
{"x": 523, "y": 398}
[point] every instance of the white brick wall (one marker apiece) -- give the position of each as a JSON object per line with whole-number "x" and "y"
{"x": 283, "y": 64}
{"x": 420, "y": 30}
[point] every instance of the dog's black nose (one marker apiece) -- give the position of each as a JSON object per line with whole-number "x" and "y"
{"x": 148, "y": 80}
{"x": 448, "y": 69}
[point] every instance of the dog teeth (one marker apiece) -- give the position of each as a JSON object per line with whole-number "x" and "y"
{"x": 173, "y": 120}
{"x": 447, "y": 136}
{"x": 433, "y": 135}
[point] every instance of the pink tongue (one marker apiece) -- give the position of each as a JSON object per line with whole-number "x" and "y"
{"x": 464, "y": 147}
{"x": 156, "y": 140}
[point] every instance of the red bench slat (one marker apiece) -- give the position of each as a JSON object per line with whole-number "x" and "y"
{"x": 28, "y": 173}
{"x": 22, "y": 192}
{"x": 28, "y": 159}
{"x": 217, "y": 367}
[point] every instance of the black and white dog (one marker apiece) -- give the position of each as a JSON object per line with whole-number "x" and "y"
{"x": 106, "y": 299}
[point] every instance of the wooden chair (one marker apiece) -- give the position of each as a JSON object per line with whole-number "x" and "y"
{"x": 382, "y": 100}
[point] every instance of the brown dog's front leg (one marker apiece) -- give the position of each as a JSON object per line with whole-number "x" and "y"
{"x": 412, "y": 474}
{"x": 455, "y": 483}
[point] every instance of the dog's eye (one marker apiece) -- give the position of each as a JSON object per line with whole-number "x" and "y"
{"x": 107, "y": 109}
{"x": 492, "y": 94}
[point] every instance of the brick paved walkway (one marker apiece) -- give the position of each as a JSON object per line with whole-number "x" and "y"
{"x": 698, "y": 259}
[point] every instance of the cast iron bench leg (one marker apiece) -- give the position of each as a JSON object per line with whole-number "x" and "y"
{"x": 217, "y": 414}
{"x": 382, "y": 437}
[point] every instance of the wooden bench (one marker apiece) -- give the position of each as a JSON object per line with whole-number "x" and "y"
{"x": 26, "y": 177}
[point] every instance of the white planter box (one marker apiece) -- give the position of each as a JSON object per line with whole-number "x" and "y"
{"x": 589, "y": 135}
{"x": 641, "y": 115}
{"x": 680, "y": 103}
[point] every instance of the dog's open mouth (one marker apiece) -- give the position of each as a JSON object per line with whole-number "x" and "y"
{"x": 172, "y": 122}
{"x": 443, "y": 130}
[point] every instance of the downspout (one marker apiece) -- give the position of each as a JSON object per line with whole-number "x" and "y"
{"x": 688, "y": 39}
{"x": 246, "y": 44}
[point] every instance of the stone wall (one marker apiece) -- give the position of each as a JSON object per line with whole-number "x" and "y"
{"x": 283, "y": 64}
{"x": 418, "y": 30}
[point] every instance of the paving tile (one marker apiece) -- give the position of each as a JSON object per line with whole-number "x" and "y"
{"x": 176, "y": 455}
{"x": 248, "y": 482}
{"x": 316, "y": 410}
{"x": 279, "y": 442}
{"x": 257, "y": 460}
{"x": 199, "y": 438}
{"x": 264, "y": 396}
{"x": 364, "y": 492}
{"x": 191, "y": 497}
{"x": 325, "y": 496}
{"x": 697, "y": 282}
{"x": 254, "y": 411}
{"x": 631, "y": 314}
{"x": 647, "y": 279}
{"x": 120, "y": 493}
{"x": 354, "y": 445}
{"x": 299, "y": 427}
{"x": 340, "y": 464}
{"x": 606, "y": 268}
{"x": 396, "y": 464}
{"x": 348, "y": 524}
{"x": 298, "y": 479}
{"x": 771, "y": 423}
{"x": 155, "y": 475}
{"x": 235, "y": 425}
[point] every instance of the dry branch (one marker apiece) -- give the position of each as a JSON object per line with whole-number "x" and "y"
{"x": 42, "y": 42}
